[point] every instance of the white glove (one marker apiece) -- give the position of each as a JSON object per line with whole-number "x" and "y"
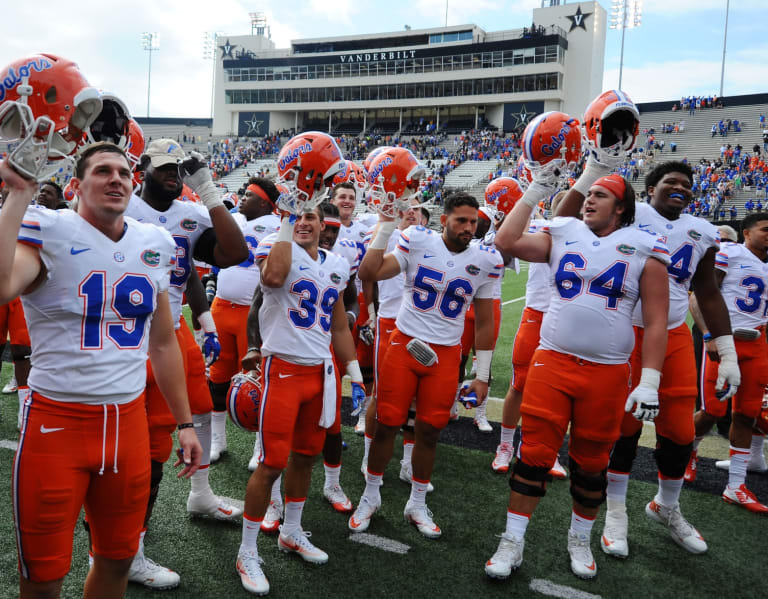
{"x": 728, "y": 373}
{"x": 645, "y": 397}
{"x": 198, "y": 177}
{"x": 593, "y": 170}
{"x": 539, "y": 190}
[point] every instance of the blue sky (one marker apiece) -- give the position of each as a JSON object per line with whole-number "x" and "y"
{"x": 676, "y": 51}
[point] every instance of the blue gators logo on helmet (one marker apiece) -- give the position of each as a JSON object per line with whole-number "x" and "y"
{"x": 14, "y": 77}
{"x": 557, "y": 141}
{"x": 373, "y": 176}
{"x": 150, "y": 257}
{"x": 293, "y": 155}
{"x": 494, "y": 197}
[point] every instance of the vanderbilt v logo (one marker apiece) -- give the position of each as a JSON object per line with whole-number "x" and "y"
{"x": 579, "y": 19}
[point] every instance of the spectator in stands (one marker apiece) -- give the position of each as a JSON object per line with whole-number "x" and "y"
{"x": 733, "y": 211}
{"x": 714, "y": 130}
{"x": 749, "y": 206}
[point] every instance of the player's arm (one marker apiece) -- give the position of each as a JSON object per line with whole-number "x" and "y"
{"x": 512, "y": 238}
{"x": 198, "y": 303}
{"x": 351, "y": 305}
{"x": 484, "y": 330}
{"x": 377, "y": 266}
{"x": 276, "y": 266}
{"x": 572, "y": 202}
{"x": 167, "y": 364}
{"x": 344, "y": 350}
{"x": 693, "y": 306}
{"x": 252, "y": 359}
{"x": 21, "y": 268}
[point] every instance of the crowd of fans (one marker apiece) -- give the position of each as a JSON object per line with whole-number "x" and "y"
{"x": 694, "y": 103}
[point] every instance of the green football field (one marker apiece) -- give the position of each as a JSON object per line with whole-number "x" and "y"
{"x": 468, "y": 503}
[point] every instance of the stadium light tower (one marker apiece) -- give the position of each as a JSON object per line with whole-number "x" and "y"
{"x": 210, "y": 39}
{"x": 725, "y": 42}
{"x": 625, "y": 14}
{"x": 150, "y": 42}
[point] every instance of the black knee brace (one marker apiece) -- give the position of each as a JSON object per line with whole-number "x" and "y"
{"x": 624, "y": 453}
{"x": 535, "y": 473}
{"x": 587, "y": 481}
{"x": 219, "y": 395}
{"x": 671, "y": 458}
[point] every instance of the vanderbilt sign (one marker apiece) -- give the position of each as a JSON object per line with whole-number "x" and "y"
{"x": 376, "y": 56}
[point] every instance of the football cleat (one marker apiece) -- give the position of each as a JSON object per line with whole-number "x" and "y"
{"x": 208, "y": 504}
{"x": 360, "y": 426}
{"x": 757, "y": 466}
{"x": 679, "y": 528}
{"x": 745, "y": 498}
{"x": 251, "y": 575}
{"x": 337, "y": 498}
{"x": 406, "y": 474}
{"x": 271, "y": 522}
{"x": 421, "y": 518}
{"x": 361, "y": 519}
{"x": 557, "y": 471}
{"x": 691, "y": 470}
{"x": 504, "y": 455}
{"x": 299, "y": 543}
{"x": 507, "y": 558}
{"x": 614, "y": 538}
{"x": 454, "y": 414}
{"x": 582, "y": 561}
{"x": 11, "y": 386}
{"x": 151, "y": 574}
{"x": 482, "y": 424}
{"x": 218, "y": 446}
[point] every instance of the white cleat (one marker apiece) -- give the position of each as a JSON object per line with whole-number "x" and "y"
{"x": 151, "y": 574}
{"x": 582, "y": 561}
{"x": 218, "y": 446}
{"x": 360, "y": 426}
{"x": 335, "y": 495}
{"x": 454, "y": 413}
{"x": 251, "y": 575}
{"x": 507, "y": 558}
{"x": 406, "y": 474}
{"x": 271, "y": 522}
{"x": 679, "y": 528}
{"x": 482, "y": 424}
{"x": 757, "y": 466}
{"x": 504, "y": 455}
{"x": 421, "y": 518}
{"x": 299, "y": 543}
{"x": 361, "y": 519}
{"x": 614, "y": 538}
{"x": 208, "y": 504}
{"x": 11, "y": 386}
{"x": 253, "y": 463}
{"x": 557, "y": 471}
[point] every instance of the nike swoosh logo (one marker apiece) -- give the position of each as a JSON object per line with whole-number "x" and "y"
{"x": 606, "y": 542}
{"x": 743, "y": 265}
{"x": 592, "y": 567}
{"x": 303, "y": 267}
{"x": 395, "y": 343}
{"x": 44, "y": 429}
{"x": 643, "y": 226}
{"x": 74, "y": 252}
{"x": 429, "y": 255}
{"x": 284, "y": 376}
{"x": 570, "y": 242}
{"x": 538, "y": 363}
{"x": 531, "y": 321}
{"x": 225, "y": 512}
{"x": 388, "y": 331}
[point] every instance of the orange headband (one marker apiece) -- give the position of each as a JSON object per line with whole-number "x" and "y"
{"x": 613, "y": 183}
{"x": 259, "y": 192}
{"x": 331, "y": 221}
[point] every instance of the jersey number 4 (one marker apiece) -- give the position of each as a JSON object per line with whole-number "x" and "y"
{"x": 426, "y": 296}
{"x": 609, "y": 284}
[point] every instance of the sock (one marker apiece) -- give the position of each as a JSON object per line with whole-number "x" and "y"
{"x": 292, "y": 519}
{"x": 25, "y": 393}
{"x": 407, "y": 451}
{"x": 669, "y": 491}
{"x": 140, "y": 552}
{"x": 580, "y": 523}
{"x": 756, "y": 450}
{"x": 480, "y": 410}
{"x": 251, "y": 527}
{"x": 737, "y": 473}
{"x": 517, "y": 523}
{"x": 617, "y": 487}
{"x": 365, "y": 408}
{"x": 418, "y": 492}
{"x": 372, "y": 484}
{"x": 203, "y": 429}
{"x": 219, "y": 424}
{"x": 200, "y": 482}
{"x": 367, "y": 446}
{"x": 696, "y": 441}
{"x": 276, "y": 496}
{"x": 256, "y": 447}
{"x": 331, "y": 474}
{"x": 508, "y": 434}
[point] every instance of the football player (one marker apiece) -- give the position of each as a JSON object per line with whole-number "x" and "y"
{"x": 742, "y": 275}
{"x": 84, "y": 427}
{"x": 49, "y": 195}
{"x": 602, "y": 267}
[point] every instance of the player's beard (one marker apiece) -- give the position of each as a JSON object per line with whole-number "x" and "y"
{"x": 158, "y": 191}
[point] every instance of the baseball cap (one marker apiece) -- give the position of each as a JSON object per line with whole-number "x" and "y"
{"x": 164, "y": 151}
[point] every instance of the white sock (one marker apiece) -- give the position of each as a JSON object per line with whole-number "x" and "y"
{"x": 418, "y": 492}
{"x": 407, "y": 451}
{"x": 480, "y": 410}
{"x": 617, "y": 487}
{"x": 508, "y": 434}
{"x": 219, "y": 424}
{"x": 364, "y": 410}
{"x": 199, "y": 479}
{"x": 581, "y": 524}
{"x": 292, "y": 519}
{"x": 517, "y": 523}
{"x": 669, "y": 491}
{"x": 251, "y": 529}
{"x": 696, "y": 442}
{"x": 140, "y": 551}
{"x": 331, "y": 474}
{"x": 756, "y": 450}
{"x": 366, "y": 446}
{"x": 737, "y": 472}
{"x": 372, "y": 485}
{"x": 276, "y": 496}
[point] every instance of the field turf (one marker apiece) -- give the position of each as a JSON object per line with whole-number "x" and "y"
{"x": 469, "y": 504}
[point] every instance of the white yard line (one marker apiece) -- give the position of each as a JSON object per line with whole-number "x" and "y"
{"x": 378, "y": 542}
{"x": 512, "y": 301}
{"x": 7, "y": 444}
{"x": 551, "y": 589}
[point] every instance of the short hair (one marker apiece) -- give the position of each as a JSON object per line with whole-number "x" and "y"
{"x": 329, "y": 209}
{"x": 342, "y": 185}
{"x": 657, "y": 174}
{"x": 425, "y": 213}
{"x": 728, "y": 233}
{"x": 752, "y": 219}
{"x": 267, "y": 187}
{"x": 458, "y": 199}
{"x": 56, "y": 188}
{"x": 101, "y": 147}
{"x": 628, "y": 201}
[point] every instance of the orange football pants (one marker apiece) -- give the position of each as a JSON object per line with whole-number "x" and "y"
{"x": 12, "y": 321}
{"x": 526, "y": 342}
{"x": 230, "y": 319}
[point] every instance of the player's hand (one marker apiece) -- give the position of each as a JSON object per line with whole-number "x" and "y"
{"x": 645, "y": 400}
{"x": 189, "y": 452}
{"x": 366, "y": 334}
{"x": 478, "y": 387}
{"x": 195, "y": 170}
{"x": 251, "y": 360}
{"x": 17, "y": 182}
{"x": 358, "y": 398}
{"x": 728, "y": 378}
{"x": 211, "y": 348}
{"x": 711, "y": 350}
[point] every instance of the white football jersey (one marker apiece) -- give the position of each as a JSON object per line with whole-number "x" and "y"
{"x": 538, "y": 289}
{"x": 597, "y": 284}
{"x": 745, "y": 285}
{"x": 391, "y": 290}
{"x": 97, "y": 301}
{"x": 237, "y": 283}
{"x": 350, "y": 251}
{"x": 490, "y": 241}
{"x": 186, "y": 222}
{"x": 440, "y": 284}
{"x": 295, "y": 319}
{"x": 688, "y": 239}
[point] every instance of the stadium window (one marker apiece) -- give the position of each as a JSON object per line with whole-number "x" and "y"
{"x": 354, "y": 93}
{"x": 487, "y": 60}
{"x": 517, "y": 56}
{"x": 399, "y": 66}
{"x": 539, "y": 54}
{"x": 528, "y": 56}
{"x": 551, "y": 54}
{"x": 451, "y": 37}
{"x": 497, "y": 60}
{"x": 435, "y": 38}
{"x": 506, "y": 60}
{"x": 465, "y": 35}
{"x": 427, "y": 63}
{"x": 363, "y": 69}
{"x": 354, "y": 70}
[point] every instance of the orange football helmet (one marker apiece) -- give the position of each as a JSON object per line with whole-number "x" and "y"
{"x": 187, "y": 195}
{"x": 610, "y": 126}
{"x": 523, "y": 173}
{"x": 69, "y": 192}
{"x": 393, "y": 179}
{"x": 502, "y": 194}
{"x": 551, "y": 144}
{"x": 244, "y": 400}
{"x": 369, "y": 159}
{"x": 45, "y": 104}
{"x": 352, "y": 173}
{"x": 306, "y": 166}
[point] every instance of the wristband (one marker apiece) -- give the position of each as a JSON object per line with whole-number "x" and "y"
{"x": 725, "y": 346}
{"x": 206, "y": 322}
{"x": 534, "y": 194}
{"x": 184, "y": 425}
{"x": 592, "y": 172}
{"x": 352, "y": 314}
{"x": 484, "y": 357}
{"x": 209, "y": 195}
{"x": 650, "y": 378}
{"x": 353, "y": 370}
{"x": 706, "y": 337}
{"x": 253, "y": 348}
{"x": 383, "y": 233}
{"x": 285, "y": 233}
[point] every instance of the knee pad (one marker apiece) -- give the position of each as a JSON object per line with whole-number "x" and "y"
{"x": 411, "y": 420}
{"x": 672, "y": 458}
{"x": 587, "y": 481}
{"x": 219, "y": 395}
{"x": 535, "y": 473}
{"x": 624, "y": 453}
